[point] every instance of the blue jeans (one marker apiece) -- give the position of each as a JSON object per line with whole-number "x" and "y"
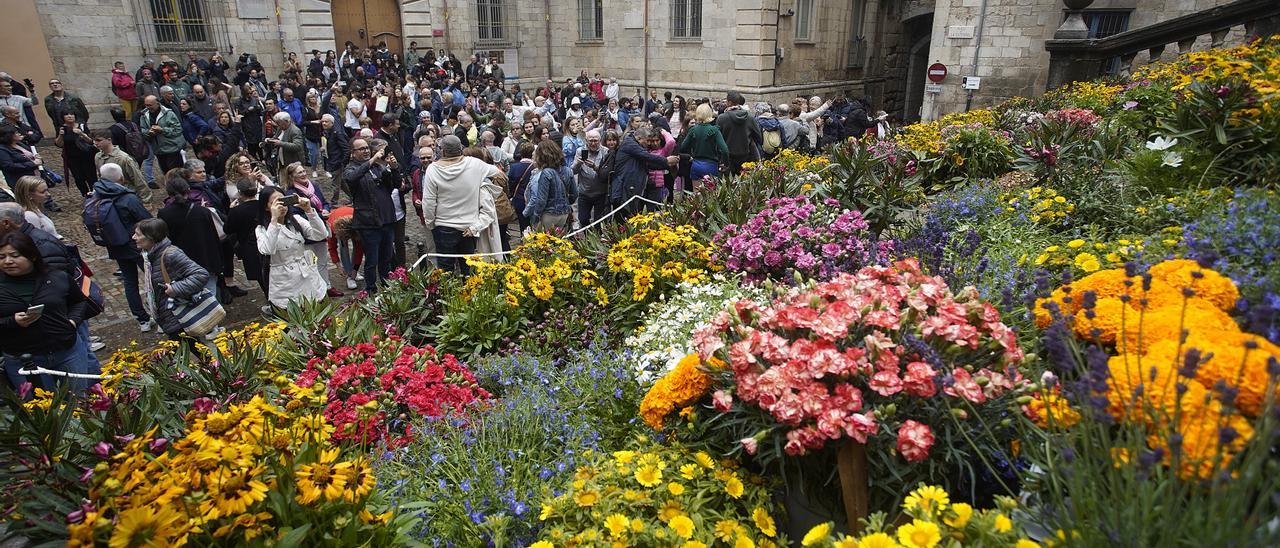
{"x": 91, "y": 359}
{"x": 129, "y": 274}
{"x": 451, "y": 240}
{"x": 147, "y": 170}
{"x": 379, "y": 250}
{"x": 70, "y": 359}
{"x": 698, "y": 169}
{"x": 313, "y": 153}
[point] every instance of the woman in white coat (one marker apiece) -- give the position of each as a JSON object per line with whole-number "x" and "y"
{"x": 283, "y": 231}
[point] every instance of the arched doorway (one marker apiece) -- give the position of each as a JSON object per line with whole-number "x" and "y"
{"x": 919, "y": 31}
{"x": 366, "y": 23}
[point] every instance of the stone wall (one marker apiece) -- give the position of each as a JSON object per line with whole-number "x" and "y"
{"x": 1011, "y": 59}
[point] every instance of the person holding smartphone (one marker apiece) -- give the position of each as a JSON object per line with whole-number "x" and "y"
{"x": 39, "y": 311}
{"x": 285, "y": 224}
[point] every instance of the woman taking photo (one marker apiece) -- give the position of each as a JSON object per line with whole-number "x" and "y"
{"x": 227, "y": 131}
{"x": 185, "y": 280}
{"x": 706, "y": 144}
{"x": 242, "y": 167}
{"x": 282, "y": 235}
{"x": 77, "y": 152}
{"x": 297, "y": 183}
{"x": 574, "y": 139}
{"x": 40, "y": 308}
{"x": 193, "y": 126}
{"x": 32, "y": 193}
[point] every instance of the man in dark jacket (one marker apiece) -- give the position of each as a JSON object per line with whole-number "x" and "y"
{"x": 130, "y": 211}
{"x": 741, "y": 132}
{"x": 335, "y": 147}
{"x": 60, "y": 100}
{"x": 859, "y": 119}
{"x": 833, "y": 121}
{"x": 370, "y": 178}
{"x": 632, "y": 164}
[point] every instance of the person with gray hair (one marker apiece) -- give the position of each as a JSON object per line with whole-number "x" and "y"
{"x": 465, "y": 132}
{"x": 593, "y": 196}
{"x": 335, "y": 147}
{"x": 109, "y": 195}
{"x": 499, "y": 156}
{"x": 370, "y": 179}
{"x": 288, "y": 145}
{"x": 108, "y": 154}
{"x": 793, "y": 132}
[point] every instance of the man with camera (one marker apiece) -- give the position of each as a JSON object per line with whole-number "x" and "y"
{"x": 370, "y": 177}
{"x": 163, "y": 131}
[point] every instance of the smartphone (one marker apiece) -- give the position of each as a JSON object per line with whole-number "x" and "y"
{"x": 35, "y": 309}
{"x": 290, "y": 200}
{"x": 582, "y": 154}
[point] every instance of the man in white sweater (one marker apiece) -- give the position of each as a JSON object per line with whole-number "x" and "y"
{"x": 452, "y": 207}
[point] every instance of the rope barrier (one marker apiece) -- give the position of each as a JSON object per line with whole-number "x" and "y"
{"x": 603, "y": 218}
{"x": 43, "y": 371}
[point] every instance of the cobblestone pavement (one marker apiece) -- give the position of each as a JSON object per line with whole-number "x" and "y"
{"x": 116, "y": 324}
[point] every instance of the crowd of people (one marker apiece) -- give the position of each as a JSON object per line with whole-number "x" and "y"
{"x": 206, "y": 164}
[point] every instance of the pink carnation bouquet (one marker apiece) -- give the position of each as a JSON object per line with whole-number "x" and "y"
{"x": 884, "y": 355}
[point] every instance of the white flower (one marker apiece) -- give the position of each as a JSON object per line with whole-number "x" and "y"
{"x": 1172, "y": 159}
{"x": 1160, "y": 143}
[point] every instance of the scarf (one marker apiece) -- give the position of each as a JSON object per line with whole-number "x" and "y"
{"x": 310, "y": 192}
{"x": 150, "y": 287}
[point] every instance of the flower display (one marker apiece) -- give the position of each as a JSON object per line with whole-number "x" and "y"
{"x": 682, "y": 386}
{"x": 654, "y": 254}
{"x": 816, "y": 239}
{"x": 820, "y": 359}
{"x": 932, "y": 519}
{"x": 1040, "y": 205}
{"x": 544, "y": 270}
{"x": 652, "y": 495}
{"x": 244, "y": 475}
{"x": 370, "y": 389}
{"x": 663, "y": 336}
{"x": 927, "y": 137}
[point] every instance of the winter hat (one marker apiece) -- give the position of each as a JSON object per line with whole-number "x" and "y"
{"x": 450, "y": 147}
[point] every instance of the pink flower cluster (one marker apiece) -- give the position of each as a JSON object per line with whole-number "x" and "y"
{"x": 1081, "y": 118}
{"x": 821, "y": 359}
{"x": 375, "y": 390}
{"x": 819, "y": 240}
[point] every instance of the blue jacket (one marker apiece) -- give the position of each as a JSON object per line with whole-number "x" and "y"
{"x": 193, "y": 127}
{"x": 294, "y": 108}
{"x": 550, "y": 191}
{"x": 631, "y": 170}
{"x": 130, "y": 210}
{"x": 571, "y": 146}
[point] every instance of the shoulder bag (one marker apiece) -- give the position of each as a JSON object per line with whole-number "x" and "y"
{"x": 198, "y": 315}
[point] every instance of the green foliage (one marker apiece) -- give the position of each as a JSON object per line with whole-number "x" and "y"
{"x": 881, "y": 184}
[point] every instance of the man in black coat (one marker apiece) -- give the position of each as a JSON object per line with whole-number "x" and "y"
{"x": 370, "y": 178}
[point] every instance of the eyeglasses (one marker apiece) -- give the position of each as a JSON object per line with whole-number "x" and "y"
{"x": 358, "y": 149}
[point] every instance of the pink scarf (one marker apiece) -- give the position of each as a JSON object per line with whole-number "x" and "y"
{"x": 310, "y": 192}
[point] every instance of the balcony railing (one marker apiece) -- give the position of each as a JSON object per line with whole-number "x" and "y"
{"x": 1074, "y": 57}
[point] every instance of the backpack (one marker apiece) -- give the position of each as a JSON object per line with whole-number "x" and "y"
{"x": 135, "y": 145}
{"x": 771, "y": 132}
{"x": 104, "y": 223}
{"x": 122, "y": 85}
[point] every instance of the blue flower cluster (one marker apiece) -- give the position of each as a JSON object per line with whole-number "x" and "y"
{"x": 1241, "y": 240}
{"x": 479, "y": 479}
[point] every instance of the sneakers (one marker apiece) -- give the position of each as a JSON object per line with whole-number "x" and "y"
{"x": 315, "y": 174}
{"x": 95, "y": 339}
{"x": 146, "y": 326}
{"x": 214, "y": 334}
{"x": 335, "y": 293}
{"x": 351, "y": 283}
{"x": 359, "y": 276}
{"x": 96, "y": 346}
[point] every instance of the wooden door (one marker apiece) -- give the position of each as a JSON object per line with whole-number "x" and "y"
{"x": 367, "y": 22}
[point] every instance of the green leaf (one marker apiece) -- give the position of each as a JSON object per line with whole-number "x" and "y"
{"x": 295, "y": 537}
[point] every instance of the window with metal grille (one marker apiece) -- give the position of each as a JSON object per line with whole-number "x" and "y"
{"x": 1105, "y": 23}
{"x": 493, "y": 23}
{"x": 180, "y": 22}
{"x": 590, "y": 20}
{"x": 857, "y": 41}
{"x": 804, "y": 20}
{"x": 686, "y": 19}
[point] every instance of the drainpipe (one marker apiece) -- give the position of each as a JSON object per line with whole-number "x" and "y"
{"x": 777, "y": 22}
{"x": 546, "y": 5}
{"x": 977, "y": 49}
{"x": 448, "y": 36}
{"x": 645, "y": 26}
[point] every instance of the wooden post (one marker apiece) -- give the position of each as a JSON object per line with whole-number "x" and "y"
{"x": 855, "y": 488}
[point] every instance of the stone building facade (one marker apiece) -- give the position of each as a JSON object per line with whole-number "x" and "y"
{"x": 767, "y": 49}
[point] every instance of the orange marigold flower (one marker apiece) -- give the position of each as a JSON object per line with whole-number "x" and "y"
{"x": 679, "y": 388}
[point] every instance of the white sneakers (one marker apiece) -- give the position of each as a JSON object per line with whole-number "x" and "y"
{"x": 351, "y": 284}
{"x": 146, "y": 326}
